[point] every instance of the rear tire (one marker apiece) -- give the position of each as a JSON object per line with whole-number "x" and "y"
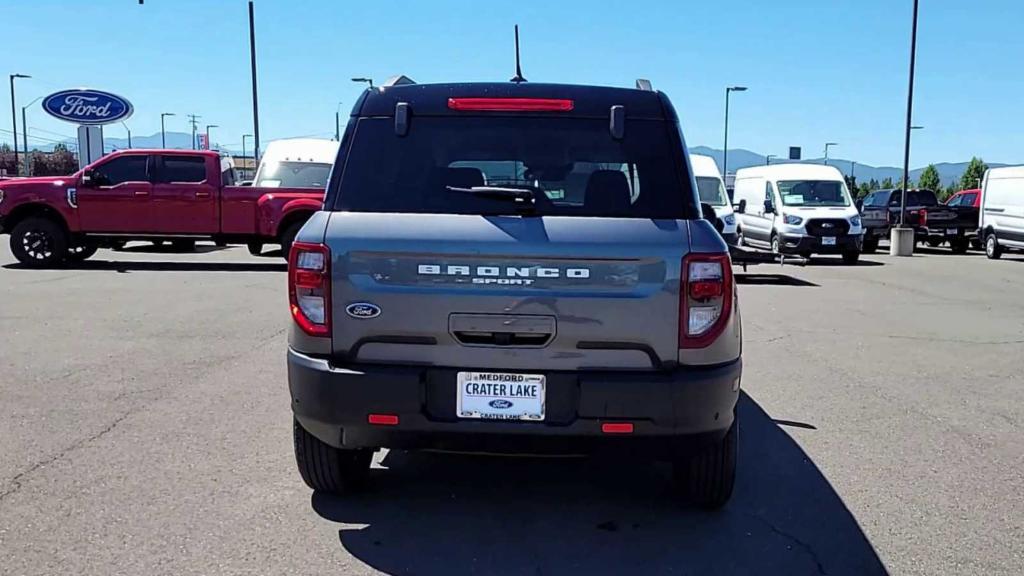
{"x": 328, "y": 469}
{"x": 775, "y": 243}
{"x": 288, "y": 236}
{"x": 255, "y": 248}
{"x": 183, "y": 245}
{"x": 992, "y": 248}
{"x": 959, "y": 245}
{"x": 851, "y": 258}
{"x": 739, "y": 238}
{"x": 39, "y": 242}
{"x": 707, "y": 478}
{"x": 934, "y": 242}
{"x": 870, "y": 245}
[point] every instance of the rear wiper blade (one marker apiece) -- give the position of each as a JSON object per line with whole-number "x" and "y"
{"x": 524, "y": 196}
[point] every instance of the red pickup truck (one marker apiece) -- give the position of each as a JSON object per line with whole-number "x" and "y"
{"x": 176, "y": 195}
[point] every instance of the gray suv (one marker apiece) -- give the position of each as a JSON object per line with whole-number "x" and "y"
{"x": 513, "y": 267}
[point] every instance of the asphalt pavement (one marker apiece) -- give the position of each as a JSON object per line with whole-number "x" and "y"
{"x": 145, "y": 429}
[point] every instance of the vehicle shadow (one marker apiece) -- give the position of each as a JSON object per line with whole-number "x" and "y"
{"x": 745, "y": 278}
{"x": 169, "y": 249}
{"x": 448, "y": 514}
{"x": 940, "y": 251}
{"x": 824, "y": 261}
{"x": 124, "y": 267}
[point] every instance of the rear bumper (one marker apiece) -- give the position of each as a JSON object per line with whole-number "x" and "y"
{"x": 671, "y": 412}
{"x": 797, "y": 244}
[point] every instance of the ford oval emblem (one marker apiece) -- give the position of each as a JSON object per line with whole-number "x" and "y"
{"x": 500, "y": 404}
{"x": 85, "y": 106}
{"x": 363, "y": 310}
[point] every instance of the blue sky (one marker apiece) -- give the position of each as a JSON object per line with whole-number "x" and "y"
{"x": 821, "y": 70}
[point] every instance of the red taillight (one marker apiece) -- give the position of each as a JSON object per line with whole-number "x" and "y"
{"x": 922, "y": 217}
{"x": 511, "y": 104}
{"x": 705, "y": 299}
{"x": 617, "y": 427}
{"x": 309, "y": 287}
{"x": 383, "y": 419}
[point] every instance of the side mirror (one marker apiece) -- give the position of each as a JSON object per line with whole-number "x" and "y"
{"x": 769, "y": 207}
{"x": 741, "y": 208}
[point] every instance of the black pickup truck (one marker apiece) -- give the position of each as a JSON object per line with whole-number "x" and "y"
{"x": 933, "y": 222}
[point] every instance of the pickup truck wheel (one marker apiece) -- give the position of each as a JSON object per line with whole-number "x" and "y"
{"x": 329, "y": 469}
{"x": 288, "y": 236}
{"x": 870, "y": 245}
{"x": 992, "y": 248}
{"x": 255, "y": 248}
{"x": 959, "y": 245}
{"x": 851, "y": 258}
{"x": 707, "y": 478}
{"x": 82, "y": 252}
{"x": 39, "y": 242}
{"x": 935, "y": 242}
{"x": 183, "y": 245}
{"x": 775, "y": 243}
{"x": 740, "y": 242}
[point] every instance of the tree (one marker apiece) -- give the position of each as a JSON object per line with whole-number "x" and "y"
{"x": 973, "y": 175}
{"x": 873, "y": 185}
{"x": 887, "y": 183}
{"x": 864, "y": 190}
{"x": 61, "y": 161}
{"x": 951, "y": 189}
{"x": 7, "y": 160}
{"x": 930, "y": 179}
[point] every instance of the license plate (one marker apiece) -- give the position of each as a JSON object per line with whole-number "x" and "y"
{"x": 828, "y": 241}
{"x": 500, "y": 396}
{"x": 951, "y": 231}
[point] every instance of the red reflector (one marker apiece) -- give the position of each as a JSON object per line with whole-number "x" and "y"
{"x": 512, "y": 104}
{"x": 383, "y": 419}
{"x": 617, "y": 427}
{"x": 704, "y": 289}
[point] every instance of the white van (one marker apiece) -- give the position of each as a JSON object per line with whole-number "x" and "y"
{"x": 296, "y": 163}
{"x": 800, "y": 209}
{"x": 712, "y": 191}
{"x": 1001, "y": 221}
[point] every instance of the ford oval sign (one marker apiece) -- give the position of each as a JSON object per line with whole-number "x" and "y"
{"x": 363, "y": 310}
{"x": 89, "y": 107}
{"x": 500, "y": 404}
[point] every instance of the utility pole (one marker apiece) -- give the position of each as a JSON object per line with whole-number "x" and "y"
{"x": 910, "y": 115}
{"x": 192, "y": 120}
{"x": 255, "y": 101}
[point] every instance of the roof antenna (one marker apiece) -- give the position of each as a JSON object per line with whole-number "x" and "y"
{"x": 519, "y": 71}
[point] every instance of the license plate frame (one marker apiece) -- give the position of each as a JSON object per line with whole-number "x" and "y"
{"x": 502, "y": 396}
{"x": 828, "y": 240}
{"x": 951, "y": 231}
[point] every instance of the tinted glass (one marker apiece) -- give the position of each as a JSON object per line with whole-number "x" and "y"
{"x": 571, "y": 166}
{"x": 877, "y": 199}
{"x": 813, "y": 193}
{"x": 293, "y": 175}
{"x": 182, "y": 169}
{"x": 915, "y": 198}
{"x": 120, "y": 170}
{"x": 955, "y": 201}
{"x": 711, "y": 191}
{"x": 969, "y": 199}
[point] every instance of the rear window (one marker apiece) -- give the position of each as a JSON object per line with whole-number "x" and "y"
{"x": 915, "y": 198}
{"x": 465, "y": 165}
{"x": 182, "y": 169}
{"x": 286, "y": 174}
{"x": 711, "y": 191}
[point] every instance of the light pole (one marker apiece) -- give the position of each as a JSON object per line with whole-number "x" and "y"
{"x": 337, "y": 123}
{"x": 209, "y": 143}
{"x": 244, "y": 136}
{"x": 827, "y": 146}
{"x": 163, "y": 135}
{"x": 255, "y": 100}
{"x": 14, "y": 121}
{"x": 129, "y": 130}
{"x": 768, "y": 159}
{"x": 24, "y": 136}
{"x": 910, "y": 115}
{"x": 725, "y": 147}
{"x": 366, "y": 80}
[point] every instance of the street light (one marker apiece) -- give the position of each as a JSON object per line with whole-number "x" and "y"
{"x": 163, "y": 135}
{"x": 337, "y": 123}
{"x": 725, "y": 147}
{"x": 366, "y": 80}
{"x": 768, "y": 159}
{"x": 827, "y": 146}
{"x": 24, "y": 136}
{"x": 255, "y": 101}
{"x": 127, "y": 129}
{"x": 910, "y": 115}
{"x": 14, "y": 120}
{"x": 209, "y": 143}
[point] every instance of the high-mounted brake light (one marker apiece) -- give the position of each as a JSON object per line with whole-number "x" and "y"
{"x": 309, "y": 287}
{"x": 705, "y": 299}
{"x": 511, "y": 104}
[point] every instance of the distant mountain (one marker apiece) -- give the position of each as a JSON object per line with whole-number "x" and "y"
{"x": 949, "y": 172}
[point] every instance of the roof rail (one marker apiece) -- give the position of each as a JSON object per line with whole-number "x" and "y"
{"x": 399, "y": 80}
{"x": 645, "y": 85}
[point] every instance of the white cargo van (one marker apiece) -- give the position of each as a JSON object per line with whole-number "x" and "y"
{"x": 712, "y": 191}
{"x": 1001, "y": 222}
{"x": 296, "y": 163}
{"x": 800, "y": 209}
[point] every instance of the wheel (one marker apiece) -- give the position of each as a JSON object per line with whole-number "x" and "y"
{"x": 288, "y": 236}
{"x": 959, "y": 245}
{"x": 329, "y": 469}
{"x": 992, "y": 248}
{"x": 255, "y": 248}
{"x": 775, "y": 243}
{"x": 707, "y": 478}
{"x": 82, "y": 252}
{"x": 220, "y": 243}
{"x": 183, "y": 245}
{"x": 870, "y": 244}
{"x": 739, "y": 238}
{"x": 851, "y": 258}
{"x": 935, "y": 242}
{"x": 39, "y": 242}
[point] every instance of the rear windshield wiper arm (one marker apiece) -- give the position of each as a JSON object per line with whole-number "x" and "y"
{"x": 524, "y": 196}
